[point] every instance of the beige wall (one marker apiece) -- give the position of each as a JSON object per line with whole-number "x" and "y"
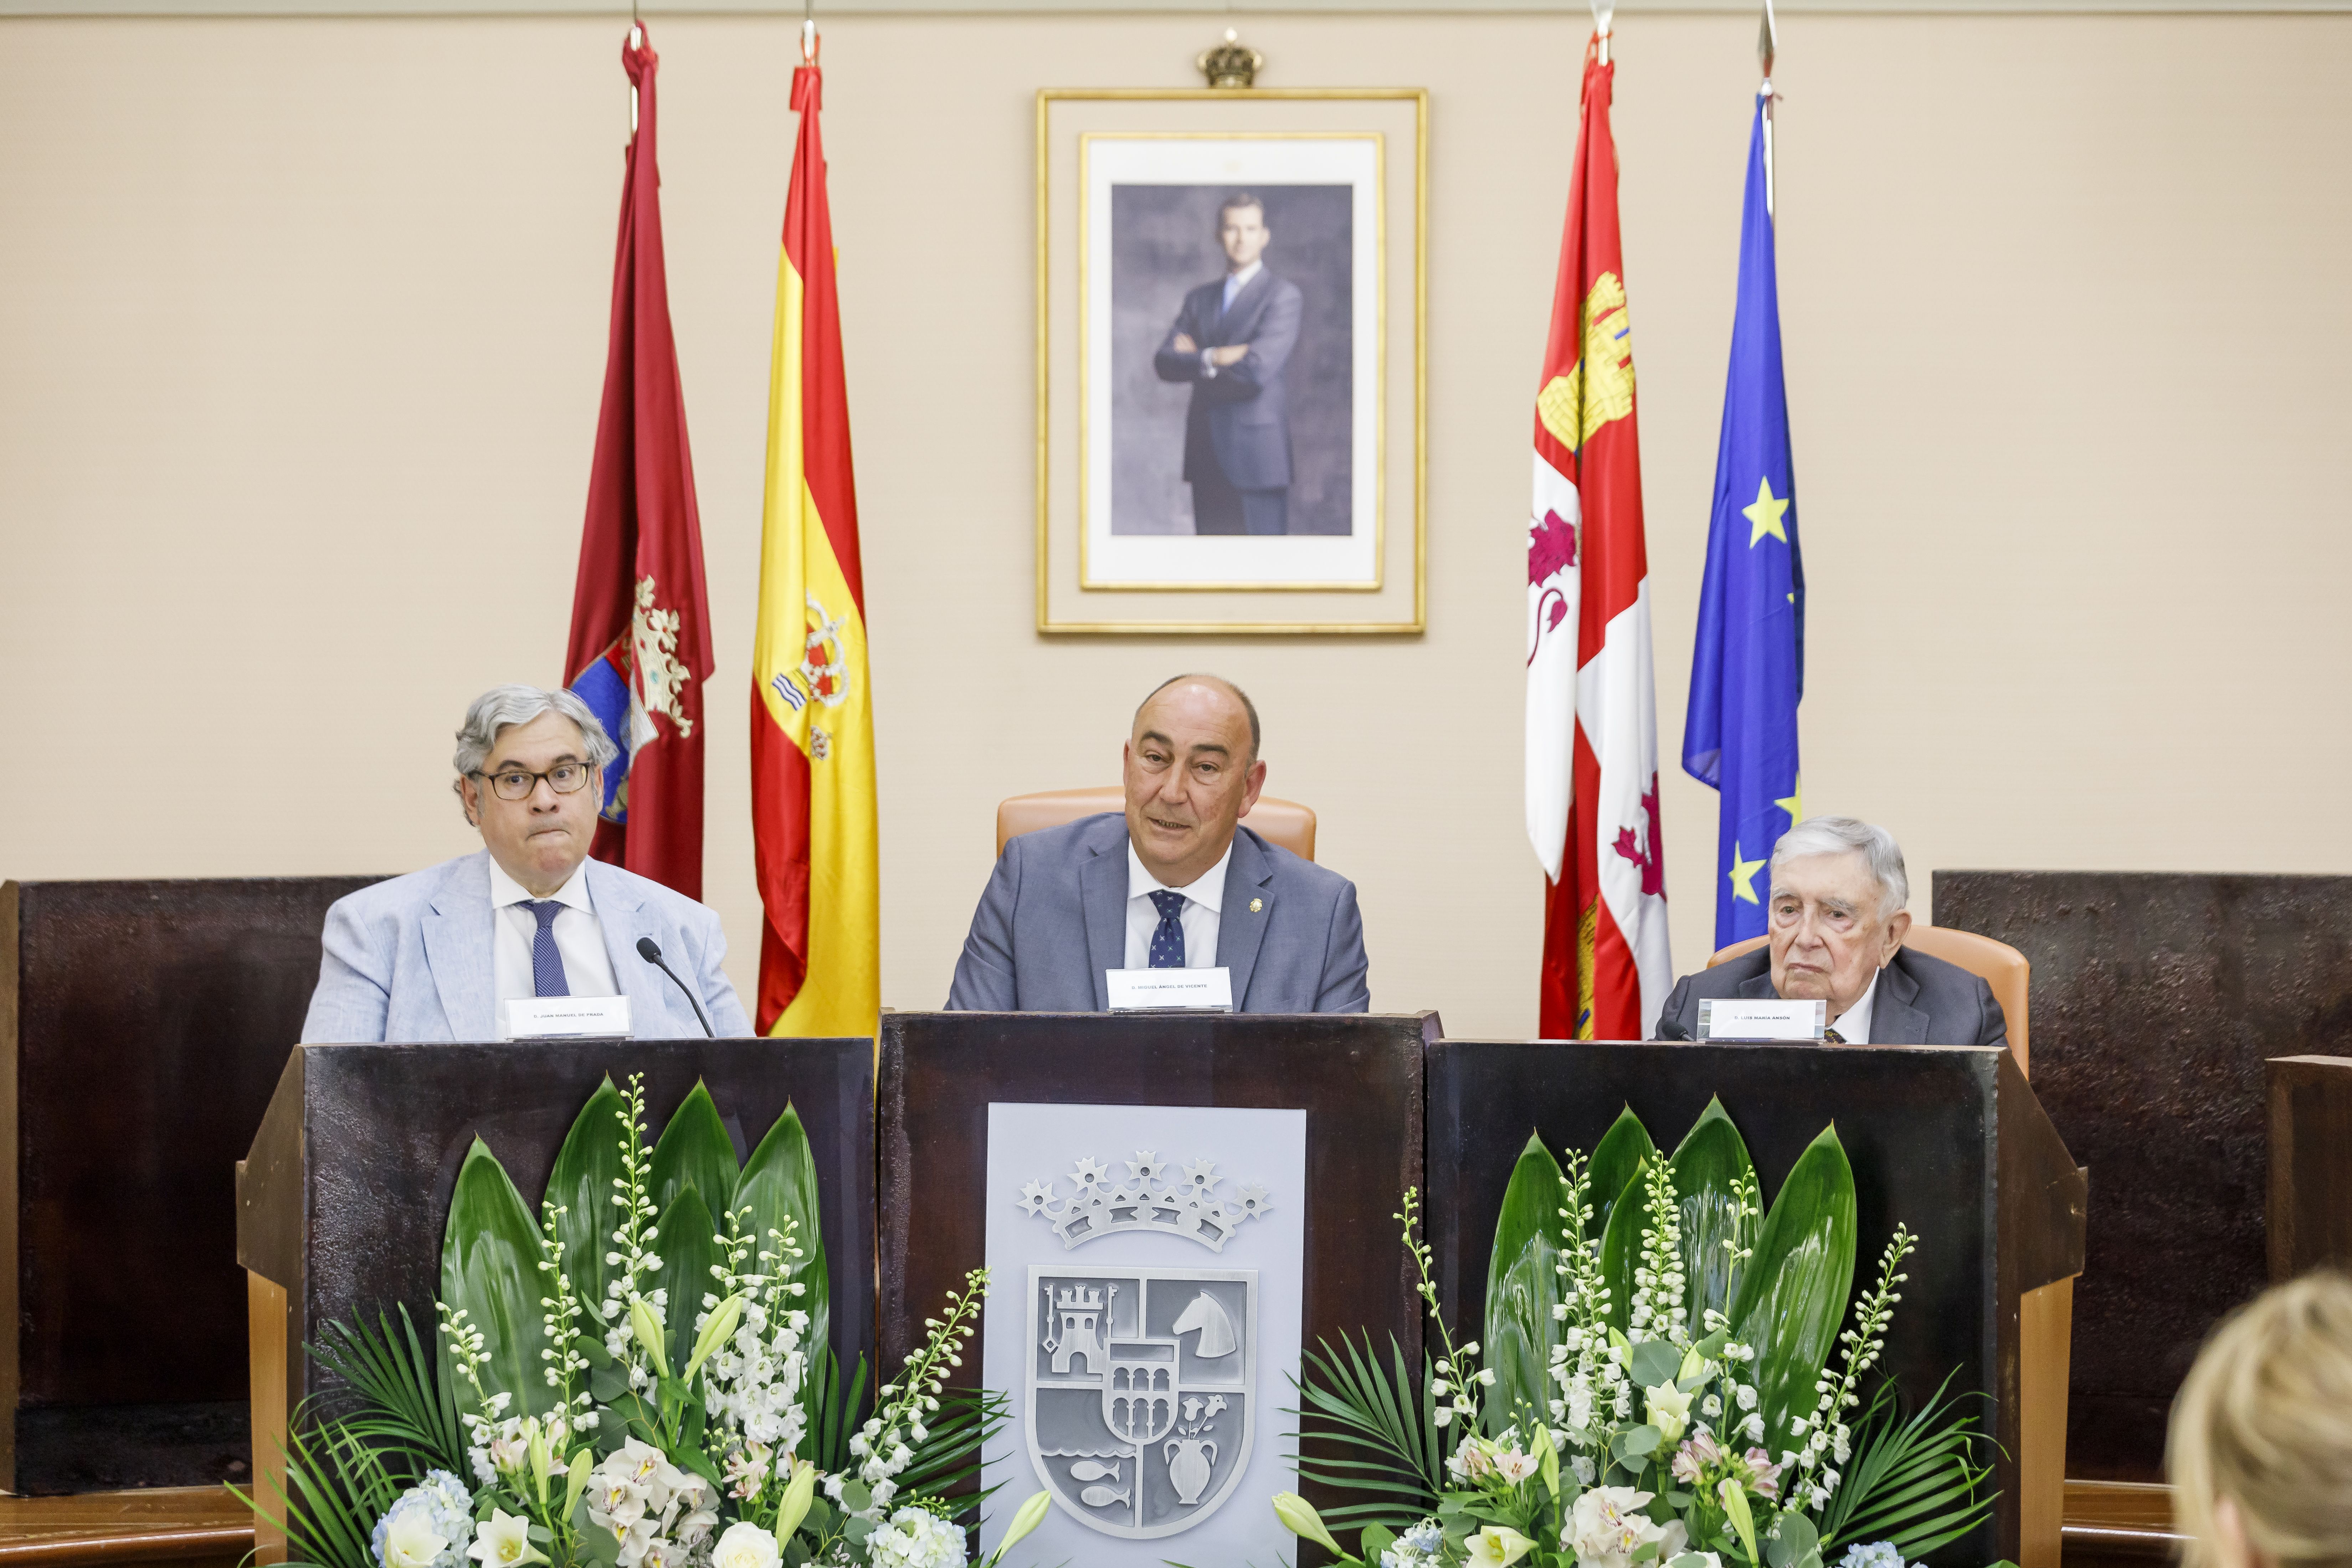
{"x": 302, "y": 328}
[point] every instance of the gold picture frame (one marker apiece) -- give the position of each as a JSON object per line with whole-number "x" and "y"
{"x": 1360, "y": 153}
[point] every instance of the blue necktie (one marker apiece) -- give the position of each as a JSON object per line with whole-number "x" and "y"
{"x": 546, "y": 963}
{"x": 1168, "y": 937}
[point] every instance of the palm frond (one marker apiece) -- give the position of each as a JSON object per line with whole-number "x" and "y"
{"x": 337, "y": 1486}
{"x": 398, "y": 1395}
{"x": 1918, "y": 1482}
{"x": 1377, "y": 1425}
{"x": 949, "y": 1457}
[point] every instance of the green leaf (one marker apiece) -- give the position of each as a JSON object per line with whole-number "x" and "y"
{"x": 1912, "y": 1481}
{"x": 1707, "y": 1168}
{"x": 581, "y": 1183}
{"x": 694, "y": 1151}
{"x": 1620, "y": 1244}
{"x": 1651, "y": 1362}
{"x": 1372, "y": 1427}
{"x": 779, "y": 1179}
{"x": 1522, "y": 1285}
{"x": 1793, "y": 1536}
{"x": 1616, "y": 1161}
{"x": 399, "y": 1395}
{"x": 1793, "y": 1296}
{"x": 489, "y": 1269}
{"x": 684, "y": 1244}
{"x": 1373, "y": 1539}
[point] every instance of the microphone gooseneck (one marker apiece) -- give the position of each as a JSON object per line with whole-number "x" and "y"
{"x": 650, "y": 951}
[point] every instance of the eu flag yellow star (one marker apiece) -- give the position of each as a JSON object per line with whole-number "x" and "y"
{"x": 1766, "y": 514}
{"x": 1793, "y": 803}
{"x": 1743, "y": 876}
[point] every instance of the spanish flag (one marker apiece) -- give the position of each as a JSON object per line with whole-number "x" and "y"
{"x": 812, "y": 817}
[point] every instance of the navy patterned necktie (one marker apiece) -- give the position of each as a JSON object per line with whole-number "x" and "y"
{"x": 1168, "y": 937}
{"x": 546, "y": 963}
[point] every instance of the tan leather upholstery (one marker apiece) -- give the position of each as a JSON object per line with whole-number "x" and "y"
{"x": 2002, "y": 967}
{"x": 1283, "y": 822}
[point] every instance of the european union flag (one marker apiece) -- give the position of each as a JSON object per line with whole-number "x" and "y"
{"x": 1748, "y": 671}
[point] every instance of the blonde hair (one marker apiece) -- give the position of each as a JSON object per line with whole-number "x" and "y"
{"x": 2264, "y": 1420}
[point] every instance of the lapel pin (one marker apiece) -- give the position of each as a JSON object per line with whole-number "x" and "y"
{"x": 1256, "y": 904}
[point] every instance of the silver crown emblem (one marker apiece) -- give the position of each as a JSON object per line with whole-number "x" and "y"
{"x": 1149, "y": 1199}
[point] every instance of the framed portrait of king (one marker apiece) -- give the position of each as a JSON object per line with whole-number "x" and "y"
{"x": 1230, "y": 333}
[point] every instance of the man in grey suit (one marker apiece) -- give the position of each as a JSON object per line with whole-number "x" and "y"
{"x": 432, "y": 955}
{"x": 1231, "y": 341}
{"x": 1176, "y": 882}
{"x": 1835, "y": 925}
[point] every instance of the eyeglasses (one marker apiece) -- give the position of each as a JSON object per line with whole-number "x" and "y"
{"x": 516, "y": 783}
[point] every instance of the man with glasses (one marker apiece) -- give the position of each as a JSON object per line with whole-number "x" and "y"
{"x": 432, "y": 955}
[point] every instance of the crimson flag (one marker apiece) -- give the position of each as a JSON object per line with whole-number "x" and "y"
{"x": 640, "y": 644}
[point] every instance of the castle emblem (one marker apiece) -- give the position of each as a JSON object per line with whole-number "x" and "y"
{"x": 1140, "y": 1393}
{"x": 1150, "y": 1198}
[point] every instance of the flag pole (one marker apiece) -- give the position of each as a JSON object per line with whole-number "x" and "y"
{"x": 1766, "y": 45}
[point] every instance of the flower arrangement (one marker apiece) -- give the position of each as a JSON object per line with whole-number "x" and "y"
{"x": 1665, "y": 1380}
{"x": 639, "y": 1377}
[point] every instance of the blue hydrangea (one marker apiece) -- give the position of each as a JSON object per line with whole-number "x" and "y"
{"x": 440, "y": 1509}
{"x": 1877, "y": 1554}
{"x": 1417, "y": 1547}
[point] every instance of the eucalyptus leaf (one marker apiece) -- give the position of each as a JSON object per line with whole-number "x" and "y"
{"x": 1707, "y": 1168}
{"x": 1792, "y": 1298}
{"x": 687, "y": 1252}
{"x": 1374, "y": 1540}
{"x": 778, "y": 1180}
{"x": 1616, "y": 1159}
{"x": 694, "y": 1151}
{"x": 1791, "y": 1537}
{"x": 581, "y": 1183}
{"x": 490, "y": 1269}
{"x": 1654, "y": 1361}
{"x": 1522, "y": 1287}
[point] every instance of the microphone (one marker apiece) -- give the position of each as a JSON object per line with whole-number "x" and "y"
{"x": 1670, "y": 1030}
{"x": 650, "y": 951}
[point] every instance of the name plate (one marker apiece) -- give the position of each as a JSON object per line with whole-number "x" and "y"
{"x": 564, "y": 1018}
{"x": 1146, "y": 990}
{"x": 1744, "y": 1018}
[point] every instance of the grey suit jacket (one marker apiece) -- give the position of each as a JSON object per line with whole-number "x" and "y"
{"x": 410, "y": 959}
{"x": 1240, "y": 418}
{"x": 1921, "y": 1001}
{"x": 1054, "y": 917}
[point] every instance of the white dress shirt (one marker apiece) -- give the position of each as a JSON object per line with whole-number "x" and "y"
{"x": 1202, "y": 901}
{"x": 1853, "y": 1025}
{"x": 579, "y": 938}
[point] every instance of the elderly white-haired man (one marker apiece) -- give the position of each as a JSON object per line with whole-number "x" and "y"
{"x": 429, "y": 956}
{"x": 1835, "y": 928}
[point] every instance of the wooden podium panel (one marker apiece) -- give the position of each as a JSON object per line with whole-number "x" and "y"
{"x": 2309, "y": 1216}
{"x": 1357, "y": 1078}
{"x": 2156, "y": 998}
{"x": 343, "y": 1200}
{"x": 142, "y": 1025}
{"x": 1948, "y": 1140}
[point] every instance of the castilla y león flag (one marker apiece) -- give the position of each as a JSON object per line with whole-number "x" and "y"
{"x": 1592, "y": 720}
{"x": 813, "y": 813}
{"x": 640, "y": 648}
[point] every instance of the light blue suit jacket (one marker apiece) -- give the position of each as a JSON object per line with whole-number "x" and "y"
{"x": 410, "y": 959}
{"x": 1054, "y": 917}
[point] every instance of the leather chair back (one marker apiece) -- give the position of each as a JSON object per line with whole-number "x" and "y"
{"x": 1283, "y": 822}
{"x": 2001, "y": 966}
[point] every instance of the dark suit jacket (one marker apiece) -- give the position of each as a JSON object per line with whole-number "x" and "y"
{"x": 1922, "y": 1001}
{"x": 1240, "y": 418}
{"x": 1054, "y": 917}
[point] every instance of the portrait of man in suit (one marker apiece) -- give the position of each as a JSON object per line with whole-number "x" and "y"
{"x": 1232, "y": 398}
{"x": 1232, "y": 341}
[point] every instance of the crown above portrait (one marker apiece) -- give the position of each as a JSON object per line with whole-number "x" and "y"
{"x": 1150, "y": 1198}
{"x": 1231, "y": 64}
